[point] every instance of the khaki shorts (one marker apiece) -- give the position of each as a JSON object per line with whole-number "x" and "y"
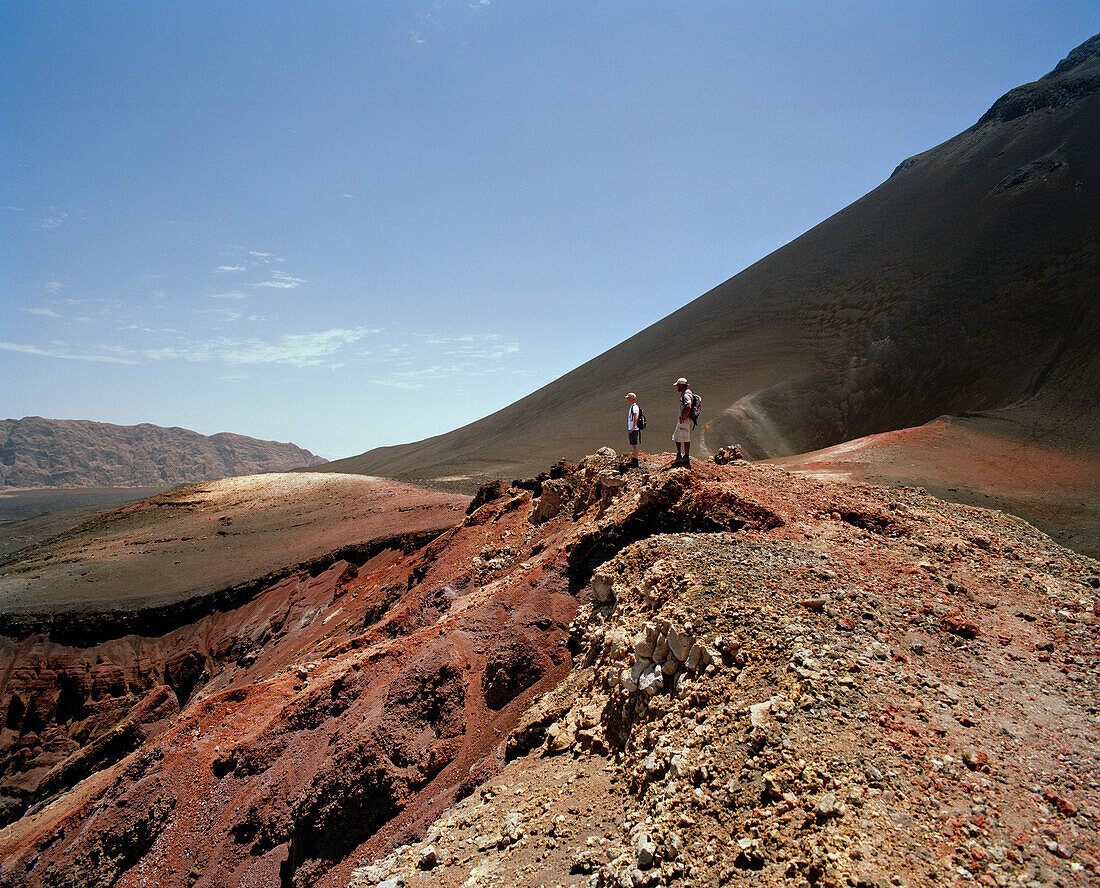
{"x": 682, "y": 433}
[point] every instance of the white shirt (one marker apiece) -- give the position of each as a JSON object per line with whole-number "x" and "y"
{"x": 632, "y": 418}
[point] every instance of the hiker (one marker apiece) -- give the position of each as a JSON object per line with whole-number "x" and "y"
{"x": 634, "y": 425}
{"x": 681, "y": 435}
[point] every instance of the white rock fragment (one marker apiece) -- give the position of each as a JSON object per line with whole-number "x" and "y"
{"x": 760, "y": 713}
{"x": 644, "y": 642}
{"x": 660, "y": 648}
{"x": 652, "y": 681}
{"x": 679, "y": 643}
{"x": 511, "y": 830}
{"x": 603, "y": 587}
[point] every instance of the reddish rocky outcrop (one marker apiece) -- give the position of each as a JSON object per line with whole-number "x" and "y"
{"x": 770, "y": 618}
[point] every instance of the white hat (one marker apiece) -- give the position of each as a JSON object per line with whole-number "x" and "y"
{"x": 632, "y": 395}
{"x": 680, "y": 381}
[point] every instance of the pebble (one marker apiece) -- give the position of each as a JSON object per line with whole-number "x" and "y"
{"x": 827, "y": 806}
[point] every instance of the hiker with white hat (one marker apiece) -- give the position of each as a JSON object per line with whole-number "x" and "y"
{"x": 681, "y": 435}
{"x": 635, "y": 422}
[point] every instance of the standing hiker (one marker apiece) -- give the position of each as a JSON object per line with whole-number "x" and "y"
{"x": 681, "y": 435}
{"x": 634, "y": 425}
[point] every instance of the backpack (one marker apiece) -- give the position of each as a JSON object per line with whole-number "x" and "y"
{"x": 696, "y": 403}
{"x": 641, "y": 419}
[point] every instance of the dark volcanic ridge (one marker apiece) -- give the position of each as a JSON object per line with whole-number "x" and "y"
{"x": 654, "y": 676}
{"x": 37, "y": 452}
{"x": 964, "y": 284}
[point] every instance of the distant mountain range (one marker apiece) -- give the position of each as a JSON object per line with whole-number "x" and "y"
{"x": 37, "y": 452}
{"x": 965, "y": 284}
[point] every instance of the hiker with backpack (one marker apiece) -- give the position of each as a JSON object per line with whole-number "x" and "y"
{"x": 689, "y": 413}
{"x": 635, "y": 422}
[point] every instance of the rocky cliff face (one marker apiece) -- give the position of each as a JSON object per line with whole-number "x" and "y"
{"x": 616, "y": 676}
{"x": 37, "y": 452}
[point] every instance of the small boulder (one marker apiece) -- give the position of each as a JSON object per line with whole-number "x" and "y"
{"x": 760, "y": 713}
{"x": 511, "y": 831}
{"x": 645, "y": 641}
{"x": 555, "y": 494}
{"x": 679, "y": 644}
{"x": 602, "y": 587}
{"x": 429, "y": 858}
{"x": 726, "y": 455}
{"x": 486, "y": 493}
{"x": 955, "y": 623}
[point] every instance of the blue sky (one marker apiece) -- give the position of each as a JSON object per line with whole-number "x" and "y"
{"x": 356, "y": 224}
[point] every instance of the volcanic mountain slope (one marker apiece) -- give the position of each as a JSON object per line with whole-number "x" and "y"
{"x": 964, "y": 283}
{"x": 980, "y": 460}
{"x": 37, "y": 452}
{"x": 655, "y": 676}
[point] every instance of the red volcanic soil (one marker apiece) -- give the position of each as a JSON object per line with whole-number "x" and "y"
{"x": 855, "y": 654}
{"x": 165, "y": 560}
{"x": 980, "y": 461}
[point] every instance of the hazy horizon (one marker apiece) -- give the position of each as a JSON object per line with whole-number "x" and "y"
{"x": 375, "y": 225}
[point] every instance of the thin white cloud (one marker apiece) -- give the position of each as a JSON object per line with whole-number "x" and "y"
{"x": 42, "y": 312}
{"x": 94, "y": 300}
{"x": 229, "y": 295}
{"x": 54, "y": 220}
{"x": 22, "y": 348}
{"x": 478, "y": 346}
{"x": 432, "y": 358}
{"x": 224, "y": 268}
{"x": 282, "y": 281}
{"x": 445, "y": 339}
{"x": 395, "y": 383}
{"x": 14, "y": 209}
{"x": 117, "y": 350}
{"x": 262, "y": 257}
{"x": 54, "y": 286}
{"x": 296, "y": 349}
{"x": 154, "y": 331}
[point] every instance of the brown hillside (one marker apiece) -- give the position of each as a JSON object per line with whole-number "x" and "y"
{"x": 37, "y": 452}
